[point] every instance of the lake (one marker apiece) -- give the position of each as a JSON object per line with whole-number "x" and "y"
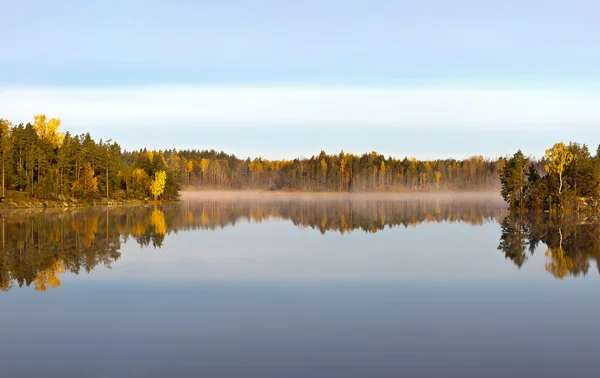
{"x": 296, "y": 285}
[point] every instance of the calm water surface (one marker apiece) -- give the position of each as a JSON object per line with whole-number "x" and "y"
{"x": 292, "y": 286}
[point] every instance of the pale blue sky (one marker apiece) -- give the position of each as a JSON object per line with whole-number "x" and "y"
{"x": 480, "y": 66}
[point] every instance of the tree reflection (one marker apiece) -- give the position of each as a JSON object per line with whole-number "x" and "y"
{"x": 39, "y": 246}
{"x": 572, "y": 241}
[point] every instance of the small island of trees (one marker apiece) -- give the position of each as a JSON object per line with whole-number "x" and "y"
{"x": 567, "y": 179}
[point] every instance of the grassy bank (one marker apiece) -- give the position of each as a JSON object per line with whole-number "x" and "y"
{"x": 20, "y": 200}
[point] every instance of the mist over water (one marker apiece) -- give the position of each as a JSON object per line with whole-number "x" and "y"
{"x": 259, "y": 284}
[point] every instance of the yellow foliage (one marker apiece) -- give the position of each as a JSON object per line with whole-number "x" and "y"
{"x": 157, "y": 187}
{"x": 5, "y": 128}
{"x": 138, "y": 228}
{"x": 560, "y": 157}
{"x": 204, "y": 163}
{"x": 48, "y": 129}
{"x": 157, "y": 218}
{"x": 324, "y": 166}
{"x": 90, "y": 228}
{"x": 560, "y": 264}
{"x": 87, "y": 184}
{"x": 343, "y": 161}
{"x": 256, "y": 166}
{"x": 174, "y": 161}
{"x": 49, "y": 276}
{"x": 138, "y": 175}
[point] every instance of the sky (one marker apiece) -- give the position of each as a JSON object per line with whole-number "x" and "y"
{"x": 282, "y": 79}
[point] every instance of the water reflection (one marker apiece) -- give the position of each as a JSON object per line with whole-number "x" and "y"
{"x": 39, "y": 246}
{"x": 572, "y": 242}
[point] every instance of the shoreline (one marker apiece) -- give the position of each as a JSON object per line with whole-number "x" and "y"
{"x": 11, "y": 203}
{"x": 21, "y": 201}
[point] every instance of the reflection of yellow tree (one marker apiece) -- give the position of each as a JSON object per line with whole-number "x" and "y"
{"x": 323, "y": 224}
{"x": 87, "y": 229}
{"x": 49, "y": 276}
{"x": 204, "y": 218}
{"x": 138, "y": 228}
{"x": 5, "y": 283}
{"x": 560, "y": 264}
{"x": 157, "y": 218}
{"x": 343, "y": 225}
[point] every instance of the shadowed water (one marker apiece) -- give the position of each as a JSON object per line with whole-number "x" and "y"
{"x": 262, "y": 286}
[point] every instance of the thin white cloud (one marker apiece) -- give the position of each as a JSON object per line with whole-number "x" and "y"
{"x": 306, "y": 106}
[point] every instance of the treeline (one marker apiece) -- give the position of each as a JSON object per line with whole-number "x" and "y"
{"x": 343, "y": 172}
{"x": 566, "y": 179}
{"x": 41, "y": 161}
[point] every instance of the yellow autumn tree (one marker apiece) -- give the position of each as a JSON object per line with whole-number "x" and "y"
{"x": 343, "y": 162}
{"x": 204, "y": 164}
{"x": 189, "y": 167}
{"x": 87, "y": 184}
{"x": 438, "y": 178}
{"x": 324, "y": 166}
{"x": 157, "y": 187}
{"x": 48, "y": 129}
{"x": 559, "y": 158}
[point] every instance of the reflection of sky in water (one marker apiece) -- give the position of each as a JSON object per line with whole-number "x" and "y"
{"x": 299, "y": 330}
{"x": 276, "y": 251}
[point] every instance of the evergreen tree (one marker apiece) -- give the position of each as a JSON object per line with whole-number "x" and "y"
{"x": 514, "y": 180}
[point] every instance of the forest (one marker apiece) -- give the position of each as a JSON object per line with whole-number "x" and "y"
{"x": 342, "y": 172}
{"x": 566, "y": 179}
{"x": 41, "y": 161}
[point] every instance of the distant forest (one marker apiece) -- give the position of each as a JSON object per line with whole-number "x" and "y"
{"x": 44, "y": 162}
